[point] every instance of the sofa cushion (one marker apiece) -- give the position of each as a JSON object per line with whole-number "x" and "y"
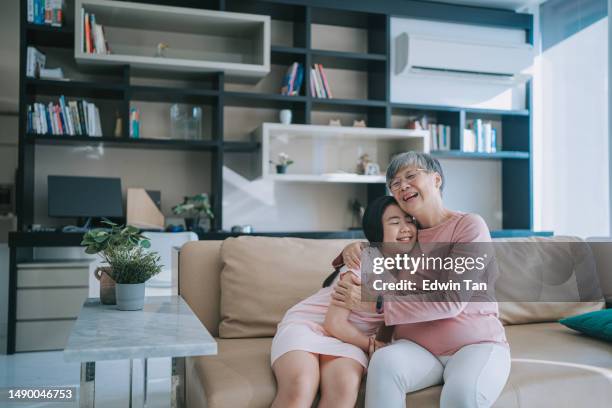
{"x": 551, "y": 366}
{"x": 533, "y": 271}
{"x": 595, "y": 324}
{"x": 262, "y": 277}
{"x": 238, "y": 376}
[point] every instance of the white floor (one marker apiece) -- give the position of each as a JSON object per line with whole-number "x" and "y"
{"x": 46, "y": 369}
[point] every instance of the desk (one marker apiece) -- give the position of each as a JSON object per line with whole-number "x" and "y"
{"x": 166, "y": 327}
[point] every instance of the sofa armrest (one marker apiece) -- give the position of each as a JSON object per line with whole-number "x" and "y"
{"x": 198, "y": 279}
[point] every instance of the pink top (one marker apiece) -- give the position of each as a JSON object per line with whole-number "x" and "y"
{"x": 444, "y": 327}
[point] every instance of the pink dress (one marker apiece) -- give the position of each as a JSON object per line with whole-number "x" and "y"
{"x": 302, "y": 328}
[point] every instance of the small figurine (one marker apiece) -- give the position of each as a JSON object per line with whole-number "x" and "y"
{"x": 362, "y": 164}
{"x": 335, "y": 122}
{"x": 161, "y": 48}
{"x": 359, "y": 123}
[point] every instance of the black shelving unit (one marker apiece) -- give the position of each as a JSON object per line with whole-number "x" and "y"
{"x": 376, "y": 108}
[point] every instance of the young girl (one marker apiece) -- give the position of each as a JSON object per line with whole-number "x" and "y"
{"x": 318, "y": 343}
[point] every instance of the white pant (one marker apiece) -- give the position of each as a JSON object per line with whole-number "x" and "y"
{"x": 473, "y": 377}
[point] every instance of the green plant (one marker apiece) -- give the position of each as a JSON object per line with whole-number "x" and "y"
{"x": 283, "y": 160}
{"x": 196, "y": 206}
{"x": 123, "y": 248}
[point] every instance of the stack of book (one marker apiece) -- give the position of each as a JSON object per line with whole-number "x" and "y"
{"x": 480, "y": 137}
{"x": 35, "y": 66}
{"x": 72, "y": 118}
{"x": 94, "y": 40}
{"x": 35, "y": 62}
{"x": 319, "y": 87}
{"x": 46, "y": 12}
{"x": 440, "y": 136}
{"x": 292, "y": 82}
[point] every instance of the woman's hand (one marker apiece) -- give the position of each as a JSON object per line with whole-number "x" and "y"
{"x": 347, "y": 294}
{"x": 351, "y": 255}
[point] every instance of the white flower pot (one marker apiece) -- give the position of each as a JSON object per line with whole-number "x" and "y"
{"x": 130, "y": 296}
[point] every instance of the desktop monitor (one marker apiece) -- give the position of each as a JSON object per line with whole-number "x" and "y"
{"x": 84, "y": 197}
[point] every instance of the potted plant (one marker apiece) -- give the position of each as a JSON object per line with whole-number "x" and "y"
{"x": 123, "y": 248}
{"x": 195, "y": 208}
{"x": 284, "y": 161}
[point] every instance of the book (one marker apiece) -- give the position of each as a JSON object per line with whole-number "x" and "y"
{"x": 318, "y": 85}
{"x": 30, "y": 11}
{"x": 298, "y": 80}
{"x": 286, "y": 80}
{"x": 48, "y": 12}
{"x": 325, "y": 83}
{"x": 82, "y": 118}
{"x": 433, "y": 136}
{"x": 486, "y": 130}
{"x": 92, "y": 32}
{"x": 469, "y": 140}
{"x": 36, "y": 12}
{"x": 51, "y": 73}
{"x": 88, "y": 44}
{"x": 35, "y": 61}
{"x": 312, "y": 86}
{"x": 57, "y": 10}
{"x": 134, "y": 123}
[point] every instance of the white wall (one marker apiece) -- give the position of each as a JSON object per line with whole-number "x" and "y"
{"x": 571, "y": 159}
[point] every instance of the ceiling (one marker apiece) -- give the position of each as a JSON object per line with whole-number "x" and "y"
{"x": 501, "y": 4}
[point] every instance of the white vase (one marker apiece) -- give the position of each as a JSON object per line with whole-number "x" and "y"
{"x": 285, "y": 116}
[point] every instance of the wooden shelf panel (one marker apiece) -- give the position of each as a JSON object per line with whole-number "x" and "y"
{"x": 287, "y": 55}
{"x": 45, "y": 35}
{"x": 241, "y": 147}
{"x": 274, "y": 101}
{"x": 349, "y": 60}
{"x": 455, "y": 154}
{"x": 178, "y": 95}
{"x": 346, "y": 105}
{"x": 83, "y": 89}
{"x": 166, "y": 144}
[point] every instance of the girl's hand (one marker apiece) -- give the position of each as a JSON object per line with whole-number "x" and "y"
{"x": 351, "y": 255}
{"x": 375, "y": 345}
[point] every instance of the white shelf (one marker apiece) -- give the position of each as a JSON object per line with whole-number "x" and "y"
{"x": 328, "y": 178}
{"x": 199, "y": 40}
{"x": 329, "y": 154}
{"x": 313, "y": 131}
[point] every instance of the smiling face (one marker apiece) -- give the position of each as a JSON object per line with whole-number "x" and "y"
{"x": 398, "y": 226}
{"x": 415, "y": 189}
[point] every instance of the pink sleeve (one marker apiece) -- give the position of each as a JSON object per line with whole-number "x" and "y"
{"x": 470, "y": 228}
{"x": 344, "y": 270}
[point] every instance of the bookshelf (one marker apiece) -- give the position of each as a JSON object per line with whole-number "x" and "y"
{"x": 351, "y": 41}
{"x": 198, "y": 40}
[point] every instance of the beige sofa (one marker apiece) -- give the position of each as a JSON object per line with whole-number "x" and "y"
{"x": 241, "y": 287}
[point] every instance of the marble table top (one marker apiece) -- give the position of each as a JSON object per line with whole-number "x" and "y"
{"x": 166, "y": 327}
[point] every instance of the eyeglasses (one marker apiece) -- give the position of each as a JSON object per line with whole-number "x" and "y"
{"x": 408, "y": 177}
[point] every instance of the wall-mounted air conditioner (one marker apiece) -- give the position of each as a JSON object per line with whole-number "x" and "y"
{"x": 462, "y": 59}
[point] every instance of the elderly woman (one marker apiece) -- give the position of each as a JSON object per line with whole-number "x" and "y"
{"x": 461, "y": 344}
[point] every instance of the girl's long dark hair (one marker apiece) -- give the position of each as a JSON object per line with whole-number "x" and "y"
{"x": 372, "y": 227}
